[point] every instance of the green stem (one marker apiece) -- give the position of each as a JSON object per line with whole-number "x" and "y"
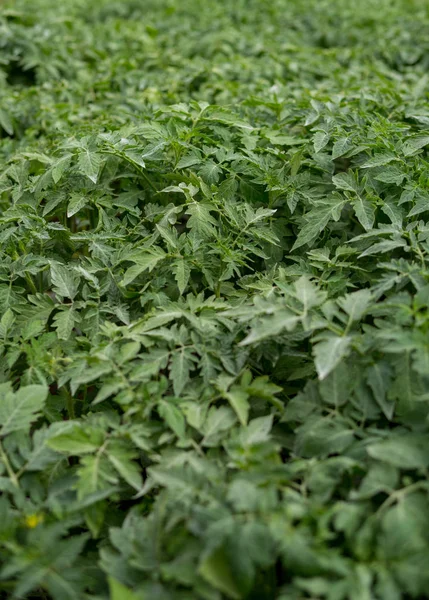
{"x": 134, "y": 164}
{"x": 12, "y": 475}
{"x": 397, "y": 495}
{"x": 30, "y": 283}
{"x": 70, "y": 405}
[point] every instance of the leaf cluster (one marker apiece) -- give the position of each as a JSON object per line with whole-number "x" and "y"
{"x": 214, "y": 300}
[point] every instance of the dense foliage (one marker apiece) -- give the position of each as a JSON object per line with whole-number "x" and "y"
{"x": 214, "y": 298}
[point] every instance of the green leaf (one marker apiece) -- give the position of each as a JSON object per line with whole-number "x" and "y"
{"x": 217, "y": 570}
{"x": 380, "y": 159}
{"x": 346, "y": 181}
{"x": 214, "y": 239}
{"x": 271, "y": 326}
{"x": 182, "y": 271}
{"x": 238, "y": 399}
{"x": 405, "y": 451}
{"x": 122, "y": 459}
{"x": 146, "y": 260}
{"x": 421, "y": 206}
{"x": 18, "y": 410}
{"x": 317, "y": 219}
{"x": 258, "y": 430}
{"x": 60, "y": 167}
{"x": 6, "y": 323}
{"x": 413, "y": 144}
{"x": 355, "y": 304}
{"x": 391, "y": 175}
{"x": 336, "y": 387}
{"x": 75, "y": 204}
{"x": 384, "y": 246}
{"x": 90, "y": 164}
{"x": 320, "y": 437}
{"x": 228, "y": 188}
{"x": 341, "y": 147}
{"x": 365, "y": 212}
{"x": 180, "y": 366}
{"x": 308, "y": 294}
{"x": 6, "y": 122}
{"x": 65, "y": 282}
{"x": 64, "y": 322}
{"x": 173, "y": 416}
{"x": 210, "y": 172}
{"x": 320, "y": 140}
{"x": 118, "y": 591}
{"x": 201, "y": 222}
{"x": 379, "y": 378}
{"x": 218, "y": 420}
{"x": 329, "y": 353}
{"x": 76, "y": 441}
{"x": 381, "y": 477}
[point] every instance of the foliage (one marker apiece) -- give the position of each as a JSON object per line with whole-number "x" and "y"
{"x": 214, "y": 299}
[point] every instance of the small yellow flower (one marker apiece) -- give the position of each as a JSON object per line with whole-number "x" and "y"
{"x": 33, "y": 520}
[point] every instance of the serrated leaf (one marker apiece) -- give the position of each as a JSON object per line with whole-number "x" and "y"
{"x": 239, "y": 400}
{"x": 122, "y": 460}
{"x": 391, "y": 175}
{"x": 180, "y": 366}
{"x": 413, "y": 144}
{"x": 379, "y": 378}
{"x": 336, "y": 387}
{"x": 90, "y": 164}
{"x": 189, "y": 160}
{"x": 18, "y": 410}
{"x": 421, "y": 206}
{"x": 308, "y": 293}
{"x": 53, "y": 202}
{"x": 76, "y": 203}
{"x": 76, "y": 441}
{"x": 341, "y": 147}
{"x": 210, "y": 172}
{"x": 271, "y": 326}
{"x": 228, "y": 188}
{"x": 41, "y": 456}
{"x": 218, "y": 420}
{"x": 320, "y": 140}
{"x": 378, "y": 160}
{"x": 145, "y": 260}
{"x": 346, "y": 181}
{"x": 173, "y": 416}
{"x": 329, "y": 353}
{"x": 169, "y": 235}
{"x": 405, "y": 451}
{"x": 355, "y": 304}
{"x": 6, "y": 322}
{"x": 201, "y": 222}
{"x": 182, "y": 271}
{"x": 382, "y": 247}
{"x": 365, "y": 212}
{"x": 118, "y": 591}
{"x": 6, "y": 122}
{"x": 316, "y": 221}
{"x": 135, "y": 156}
{"x": 65, "y": 283}
{"x": 60, "y": 166}
{"x": 216, "y": 570}
{"x": 64, "y": 322}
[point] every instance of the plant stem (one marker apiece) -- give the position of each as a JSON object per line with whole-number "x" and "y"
{"x": 30, "y": 283}
{"x": 12, "y": 475}
{"x": 70, "y": 405}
